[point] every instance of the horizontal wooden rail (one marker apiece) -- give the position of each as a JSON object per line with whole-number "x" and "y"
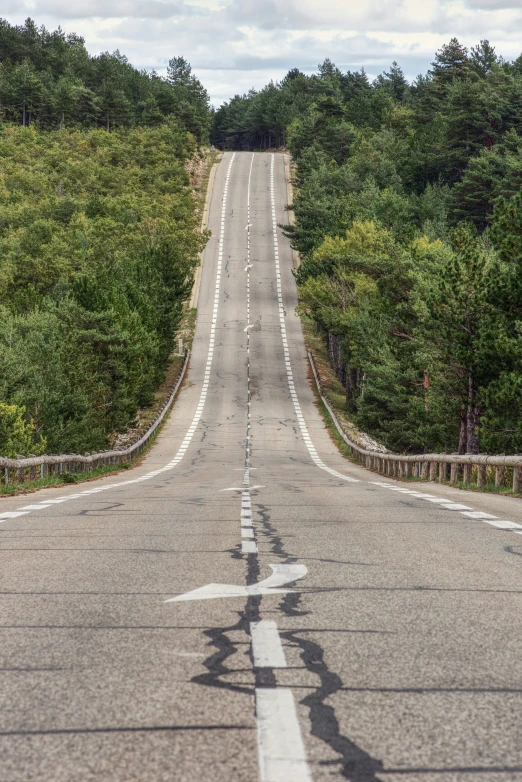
{"x": 75, "y": 463}
{"x": 442, "y": 467}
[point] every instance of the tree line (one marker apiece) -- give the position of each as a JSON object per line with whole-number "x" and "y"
{"x": 50, "y": 78}
{"x": 408, "y": 220}
{"x": 99, "y": 237}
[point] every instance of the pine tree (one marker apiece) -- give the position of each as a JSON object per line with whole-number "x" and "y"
{"x": 393, "y": 82}
{"x": 451, "y": 62}
{"x": 455, "y": 321}
{"x": 483, "y": 58}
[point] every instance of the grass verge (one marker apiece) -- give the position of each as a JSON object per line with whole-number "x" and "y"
{"x": 65, "y": 479}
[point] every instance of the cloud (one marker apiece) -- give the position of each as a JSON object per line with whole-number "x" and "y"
{"x": 108, "y": 9}
{"x": 234, "y": 45}
{"x": 493, "y": 5}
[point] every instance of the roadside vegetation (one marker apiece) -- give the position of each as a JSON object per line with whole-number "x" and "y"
{"x": 99, "y": 237}
{"x": 408, "y": 214}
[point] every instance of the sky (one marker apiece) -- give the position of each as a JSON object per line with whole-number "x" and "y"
{"x": 234, "y": 45}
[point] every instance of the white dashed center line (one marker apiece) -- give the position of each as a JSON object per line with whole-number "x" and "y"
{"x": 282, "y": 756}
{"x": 267, "y": 648}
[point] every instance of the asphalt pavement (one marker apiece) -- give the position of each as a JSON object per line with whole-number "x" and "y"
{"x": 247, "y": 604}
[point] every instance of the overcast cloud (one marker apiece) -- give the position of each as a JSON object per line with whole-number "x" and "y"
{"x": 234, "y": 45}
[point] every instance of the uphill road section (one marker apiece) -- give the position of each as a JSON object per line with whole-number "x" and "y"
{"x": 247, "y": 604}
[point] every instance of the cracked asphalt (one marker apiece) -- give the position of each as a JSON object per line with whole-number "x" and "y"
{"x": 401, "y": 642}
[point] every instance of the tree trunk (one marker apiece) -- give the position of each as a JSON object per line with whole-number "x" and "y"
{"x": 62, "y": 121}
{"x": 469, "y": 422}
{"x": 336, "y": 358}
{"x": 23, "y": 115}
{"x": 463, "y": 435}
{"x": 473, "y": 428}
{"x": 352, "y": 379}
{"x": 473, "y": 418}
{"x": 108, "y": 122}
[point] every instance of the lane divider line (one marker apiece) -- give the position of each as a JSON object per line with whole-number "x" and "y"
{"x": 248, "y": 538}
{"x": 281, "y": 751}
{"x": 267, "y": 648}
{"x": 282, "y": 756}
{"x": 282, "y": 323}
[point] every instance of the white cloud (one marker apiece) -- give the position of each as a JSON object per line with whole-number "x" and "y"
{"x": 237, "y": 44}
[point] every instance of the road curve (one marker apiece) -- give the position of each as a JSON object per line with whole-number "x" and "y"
{"x": 248, "y": 605}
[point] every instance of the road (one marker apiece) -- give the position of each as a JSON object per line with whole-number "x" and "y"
{"x": 247, "y": 604}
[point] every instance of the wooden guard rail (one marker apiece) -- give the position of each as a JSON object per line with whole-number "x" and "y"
{"x": 74, "y": 463}
{"x": 441, "y": 467}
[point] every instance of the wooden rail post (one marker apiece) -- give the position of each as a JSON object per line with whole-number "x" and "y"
{"x": 481, "y": 475}
{"x": 467, "y": 473}
{"x": 517, "y": 480}
{"x": 20, "y": 477}
{"x": 500, "y": 476}
{"x": 433, "y": 471}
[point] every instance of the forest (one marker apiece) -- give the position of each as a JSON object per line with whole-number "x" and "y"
{"x": 49, "y": 78}
{"x": 408, "y": 220}
{"x": 99, "y": 236}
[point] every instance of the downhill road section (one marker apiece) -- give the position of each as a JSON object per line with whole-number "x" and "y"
{"x": 247, "y": 604}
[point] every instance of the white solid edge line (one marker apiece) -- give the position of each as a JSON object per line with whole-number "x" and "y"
{"x": 507, "y": 525}
{"x": 281, "y": 751}
{"x": 267, "y": 648}
{"x": 282, "y": 325}
{"x": 189, "y": 436}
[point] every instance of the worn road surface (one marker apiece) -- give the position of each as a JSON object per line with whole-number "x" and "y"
{"x": 247, "y": 604}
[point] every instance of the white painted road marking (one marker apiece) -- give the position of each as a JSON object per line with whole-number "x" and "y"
{"x": 456, "y": 506}
{"x": 465, "y": 510}
{"x": 12, "y": 514}
{"x": 251, "y": 488}
{"x": 281, "y": 575}
{"x": 266, "y": 645}
{"x": 503, "y": 524}
{"x": 282, "y": 756}
{"x": 35, "y": 507}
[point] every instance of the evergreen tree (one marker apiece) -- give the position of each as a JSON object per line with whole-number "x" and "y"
{"x": 393, "y": 82}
